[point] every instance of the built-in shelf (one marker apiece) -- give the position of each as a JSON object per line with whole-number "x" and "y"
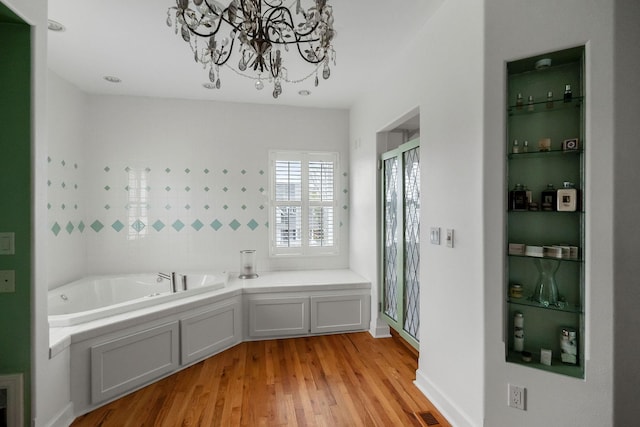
{"x": 547, "y": 257}
{"x": 556, "y": 366}
{"x": 541, "y": 106}
{"x": 567, "y": 308}
{"x": 533, "y": 154}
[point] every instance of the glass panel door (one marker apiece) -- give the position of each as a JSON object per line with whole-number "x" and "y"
{"x": 401, "y": 240}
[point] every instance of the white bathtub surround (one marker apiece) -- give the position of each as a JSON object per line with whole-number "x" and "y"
{"x": 162, "y": 339}
{"x": 103, "y": 296}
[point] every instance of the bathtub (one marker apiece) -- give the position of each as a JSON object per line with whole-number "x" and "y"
{"x": 98, "y": 297}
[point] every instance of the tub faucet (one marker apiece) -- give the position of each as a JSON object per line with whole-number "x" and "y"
{"x": 171, "y": 277}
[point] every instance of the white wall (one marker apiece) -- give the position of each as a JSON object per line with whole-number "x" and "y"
{"x": 440, "y": 73}
{"x": 66, "y": 246}
{"x": 517, "y": 29}
{"x": 627, "y": 205}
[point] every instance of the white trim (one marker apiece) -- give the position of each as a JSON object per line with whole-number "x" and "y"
{"x": 15, "y": 399}
{"x": 452, "y": 412}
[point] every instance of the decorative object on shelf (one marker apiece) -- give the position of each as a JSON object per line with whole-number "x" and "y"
{"x": 518, "y": 200}
{"x": 568, "y": 95}
{"x": 265, "y": 31}
{"x": 525, "y": 146}
{"x": 530, "y": 107}
{"x": 526, "y": 356}
{"x": 544, "y": 144}
{"x": 546, "y": 291}
{"x": 519, "y": 102}
{"x": 543, "y": 63}
{"x": 570, "y": 144}
{"x": 516, "y": 147}
{"x": 549, "y": 99}
{"x": 536, "y": 251}
{"x": 515, "y": 290}
{"x": 248, "y": 264}
{"x": 516, "y": 248}
{"x": 546, "y": 356}
{"x": 567, "y": 198}
{"x": 568, "y": 345}
{"x": 549, "y": 197}
{"x": 518, "y": 331}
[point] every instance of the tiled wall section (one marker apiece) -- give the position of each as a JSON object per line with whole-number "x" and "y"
{"x": 150, "y": 196}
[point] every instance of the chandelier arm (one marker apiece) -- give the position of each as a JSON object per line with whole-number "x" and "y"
{"x": 289, "y": 23}
{"x": 219, "y": 15}
{"x": 309, "y": 60}
{"x": 229, "y": 52}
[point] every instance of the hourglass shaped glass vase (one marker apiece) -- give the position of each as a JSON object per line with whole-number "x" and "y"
{"x": 546, "y": 292}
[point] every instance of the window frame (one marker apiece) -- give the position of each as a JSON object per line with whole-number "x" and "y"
{"x": 305, "y": 204}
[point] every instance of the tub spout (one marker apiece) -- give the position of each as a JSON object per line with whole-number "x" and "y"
{"x": 171, "y": 278}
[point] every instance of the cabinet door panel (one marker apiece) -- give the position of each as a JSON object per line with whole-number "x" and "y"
{"x": 339, "y": 313}
{"x": 271, "y": 317}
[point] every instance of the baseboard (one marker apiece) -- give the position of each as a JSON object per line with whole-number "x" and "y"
{"x": 64, "y": 418}
{"x": 380, "y": 329}
{"x": 450, "y": 411}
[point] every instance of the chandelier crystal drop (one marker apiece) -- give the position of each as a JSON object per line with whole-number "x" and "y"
{"x": 263, "y": 32}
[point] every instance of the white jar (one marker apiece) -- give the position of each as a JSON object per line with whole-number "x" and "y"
{"x": 518, "y": 332}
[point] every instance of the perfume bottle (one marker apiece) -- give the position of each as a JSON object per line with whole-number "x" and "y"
{"x": 518, "y": 198}
{"x": 516, "y": 147}
{"x": 567, "y": 198}
{"x": 530, "y": 103}
{"x": 567, "y": 93}
{"x": 525, "y": 146}
{"x": 548, "y": 199}
{"x": 519, "y": 102}
{"x": 549, "y": 99}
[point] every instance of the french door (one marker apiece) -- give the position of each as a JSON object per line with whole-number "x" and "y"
{"x": 400, "y": 187}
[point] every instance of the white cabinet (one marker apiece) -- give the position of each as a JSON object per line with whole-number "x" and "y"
{"x": 210, "y": 332}
{"x": 126, "y": 363}
{"x": 283, "y": 316}
{"x": 302, "y": 314}
{"x": 339, "y": 313}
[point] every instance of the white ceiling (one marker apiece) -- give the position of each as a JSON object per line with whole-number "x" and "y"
{"x": 130, "y": 39}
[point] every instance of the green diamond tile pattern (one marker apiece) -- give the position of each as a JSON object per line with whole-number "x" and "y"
{"x": 48, "y": 205}
{"x": 158, "y": 225}
{"x": 177, "y": 225}
{"x": 117, "y": 225}
{"x": 197, "y": 225}
{"x": 107, "y": 168}
{"x": 106, "y": 187}
{"x": 69, "y": 227}
{"x": 216, "y": 225}
{"x": 96, "y": 226}
{"x": 167, "y": 170}
{"x": 81, "y": 226}
{"x": 207, "y": 171}
{"x": 56, "y": 228}
{"x": 252, "y": 224}
{"x": 412, "y": 242}
{"x": 390, "y": 239}
{"x": 234, "y": 225}
{"x": 187, "y": 170}
{"x": 138, "y": 225}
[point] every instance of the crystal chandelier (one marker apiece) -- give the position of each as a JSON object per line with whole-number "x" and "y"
{"x": 264, "y": 31}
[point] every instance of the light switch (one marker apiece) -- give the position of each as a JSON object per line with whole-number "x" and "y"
{"x": 450, "y": 237}
{"x": 7, "y": 244}
{"x": 7, "y": 281}
{"x": 434, "y": 235}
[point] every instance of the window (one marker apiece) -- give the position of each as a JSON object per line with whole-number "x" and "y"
{"x": 303, "y": 203}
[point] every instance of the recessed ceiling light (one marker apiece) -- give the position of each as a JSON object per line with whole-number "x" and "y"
{"x": 208, "y": 85}
{"x": 304, "y": 92}
{"x": 55, "y": 26}
{"x": 112, "y": 79}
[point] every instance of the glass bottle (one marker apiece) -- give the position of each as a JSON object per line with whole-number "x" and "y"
{"x": 519, "y": 102}
{"x": 518, "y": 198}
{"x": 567, "y": 198}
{"x": 525, "y": 146}
{"x": 549, "y": 99}
{"x": 567, "y": 93}
{"x": 548, "y": 199}
{"x": 516, "y": 147}
{"x": 546, "y": 292}
{"x": 530, "y": 103}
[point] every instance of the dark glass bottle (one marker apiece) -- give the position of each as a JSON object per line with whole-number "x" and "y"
{"x": 549, "y": 198}
{"x": 568, "y": 95}
{"x": 518, "y": 200}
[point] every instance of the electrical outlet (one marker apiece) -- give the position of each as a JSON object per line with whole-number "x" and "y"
{"x": 7, "y": 281}
{"x": 434, "y": 235}
{"x": 517, "y": 397}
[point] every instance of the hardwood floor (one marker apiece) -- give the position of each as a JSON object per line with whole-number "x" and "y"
{"x": 334, "y": 380}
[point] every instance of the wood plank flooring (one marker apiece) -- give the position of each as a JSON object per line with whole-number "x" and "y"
{"x": 334, "y": 380}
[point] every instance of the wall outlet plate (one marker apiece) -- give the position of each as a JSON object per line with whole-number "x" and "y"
{"x": 7, "y": 281}
{"x": 7, "y": 244}
{"x": 517, "y": 397}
